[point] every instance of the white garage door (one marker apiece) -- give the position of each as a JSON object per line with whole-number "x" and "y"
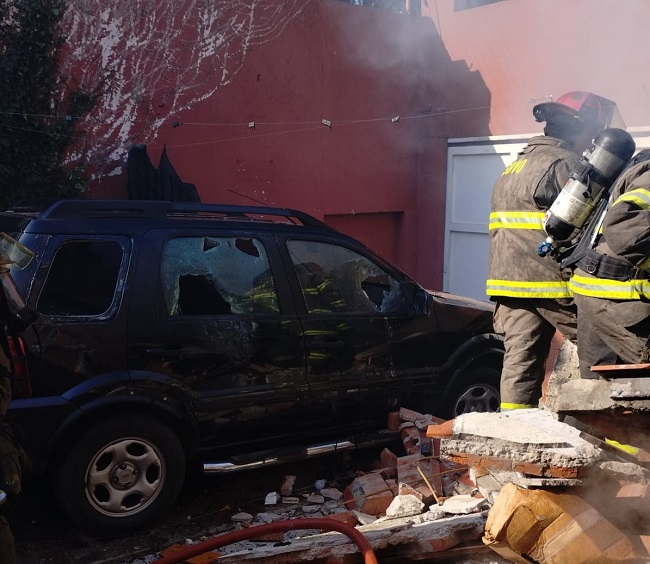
{"x": 473, "y": 164}
{"x": 472, "y": 168}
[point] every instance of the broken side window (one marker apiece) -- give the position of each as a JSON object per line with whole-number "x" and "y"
{"x": 216, "y": 276}
{"x": 82, "y": 279}
{"x": 335, "y": 279}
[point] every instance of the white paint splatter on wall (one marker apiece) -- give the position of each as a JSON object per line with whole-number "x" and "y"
{"x": 148, "y": 60}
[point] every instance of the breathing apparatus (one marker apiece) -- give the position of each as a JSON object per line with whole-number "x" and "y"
{"x": 588, "y": 185}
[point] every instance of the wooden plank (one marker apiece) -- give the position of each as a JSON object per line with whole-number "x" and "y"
{"x": 619, "y": 367}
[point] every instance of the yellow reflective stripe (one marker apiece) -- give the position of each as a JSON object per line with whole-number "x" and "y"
{"x": 324, "y": 285}
{"x": 518, "y": 289}
{"x": 626, "y": 448}
{"x": 612, "y": 289}
{"x": 317, "y": 332}
{"x": 507, "y": 406}
{"x": 645, "y": 265}
{"x": 639, "y": 197}
{"x": 318, "y": 356}
{"x": 516, "y": 220}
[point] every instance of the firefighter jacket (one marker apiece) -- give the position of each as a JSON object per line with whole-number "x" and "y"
{"x": 619, "y": 267}
{"x": 520, "y": 198}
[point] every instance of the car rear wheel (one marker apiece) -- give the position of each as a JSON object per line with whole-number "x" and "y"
{"x": 120, "y": 475}
{"x": 477, "y": 390}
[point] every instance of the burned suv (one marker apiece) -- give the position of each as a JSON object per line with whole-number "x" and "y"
{"x": 226, "y": 336}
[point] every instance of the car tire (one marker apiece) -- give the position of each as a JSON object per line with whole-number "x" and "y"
{"x": 120, "y": 475}
{"x": 476, "y": 390}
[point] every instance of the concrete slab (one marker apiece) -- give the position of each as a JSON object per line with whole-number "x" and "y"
{"x": 531, "y": 436}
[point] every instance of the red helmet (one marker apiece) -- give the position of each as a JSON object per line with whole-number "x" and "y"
{"x": 585, "y": 106}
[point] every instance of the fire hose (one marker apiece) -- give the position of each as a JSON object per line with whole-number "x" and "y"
{"x": 277, "y": 527}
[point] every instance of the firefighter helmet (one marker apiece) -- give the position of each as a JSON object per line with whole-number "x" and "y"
{"x": 587, "y": 107}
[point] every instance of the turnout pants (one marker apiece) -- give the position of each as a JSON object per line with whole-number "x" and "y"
{"x": 528, "y": 327}
{"x": 611, "y": 332}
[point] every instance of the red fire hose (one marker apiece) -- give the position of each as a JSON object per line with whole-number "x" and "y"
{"x": 277, "y": 527}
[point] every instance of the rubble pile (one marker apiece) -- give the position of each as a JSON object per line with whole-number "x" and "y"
{"x": 518, "y": 486}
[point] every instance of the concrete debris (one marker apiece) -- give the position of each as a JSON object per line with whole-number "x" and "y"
{"x": 473, "y": 483}
{"x": 241, "y": 517}
{"x": 533, "y": 436}
{"x": 405, "y": 506}
{"x": 463, "y": 504}
{"x": 331, "y": 493}
{"x": 272, "y": 498}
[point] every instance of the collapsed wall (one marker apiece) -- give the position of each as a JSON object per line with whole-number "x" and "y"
{"x": 616, "y": 401}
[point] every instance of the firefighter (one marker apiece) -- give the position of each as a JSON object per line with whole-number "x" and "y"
{"x": 611, "y": 283}
{"x": 531, "y": 293}
{"x": 10, "y": 457}
{"x": 10, "y": 473}
{"x": 14, "y": 318}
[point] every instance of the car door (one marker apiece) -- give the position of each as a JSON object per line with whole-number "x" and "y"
{"x": 349, "y": 365}
{"x": 211, "y": 311}
{"x": 81, "y": 319}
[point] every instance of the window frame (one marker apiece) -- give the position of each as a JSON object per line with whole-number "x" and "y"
{"x": 56, "y": 243}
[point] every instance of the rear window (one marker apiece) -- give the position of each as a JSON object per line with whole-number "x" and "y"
{"x": 82, "y": 279}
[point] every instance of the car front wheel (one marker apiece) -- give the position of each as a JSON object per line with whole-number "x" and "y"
{"x": 477, "y": 390}
{"x": 120, "y": 475}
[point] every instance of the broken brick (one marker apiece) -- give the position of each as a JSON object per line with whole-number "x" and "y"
{"x": 393, "y": 421}
{"x": 388, "y": 458}
{"x": 286, "y": 489}
{"x": 411, "y": 439}
{"x": 410, "y": 415}
{"x": 369, "y": 494}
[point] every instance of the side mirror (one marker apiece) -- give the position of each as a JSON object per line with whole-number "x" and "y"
{"x": 422, "y": 302}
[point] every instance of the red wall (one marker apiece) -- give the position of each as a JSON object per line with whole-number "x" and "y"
{"x": 467, "y": 73}
{"x": 380, "y": 180}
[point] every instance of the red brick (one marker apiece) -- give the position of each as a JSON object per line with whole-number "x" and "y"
{"x": 387, "y": 473}
{"x": 388, "y": 458}
{"x": 445, "y": 429}
{"x": 405, "y": 489}
{"x": 393, "y": 420}
{"x": 377, "y": 504}
{"x": 369, "y": 494}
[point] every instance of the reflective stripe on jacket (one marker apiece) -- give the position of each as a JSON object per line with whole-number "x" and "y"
{"x": 626, "y": 237}
{"x": 609, "y": 289}
{"x": 516, "y": 220}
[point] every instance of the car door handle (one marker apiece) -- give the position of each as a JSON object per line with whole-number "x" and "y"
{"x": 168, "y": 351}
{"x": 338, "y": 344}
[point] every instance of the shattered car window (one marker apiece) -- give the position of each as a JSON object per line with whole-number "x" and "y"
{"x": 337, "y": 279}
{"x": 82, "y": 279}
{"x": 216, "y": 276}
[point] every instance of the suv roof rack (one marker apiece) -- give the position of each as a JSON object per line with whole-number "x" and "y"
{"x": 65, "y": 209}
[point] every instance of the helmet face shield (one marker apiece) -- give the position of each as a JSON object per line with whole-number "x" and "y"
{"x": 589, "y": 108}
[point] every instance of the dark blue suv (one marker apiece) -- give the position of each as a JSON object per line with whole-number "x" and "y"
{"x": 232, "y": 336}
